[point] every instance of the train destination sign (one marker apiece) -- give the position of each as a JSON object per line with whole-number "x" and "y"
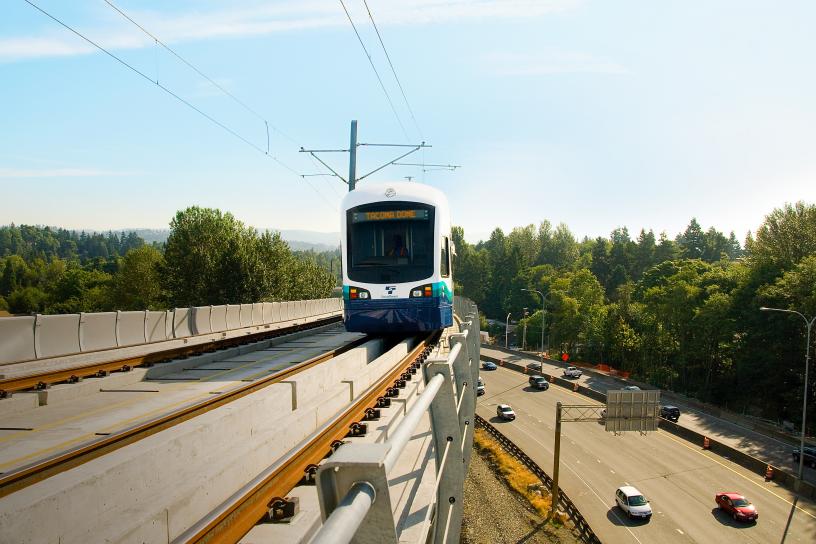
{"x": 390, "y": 215}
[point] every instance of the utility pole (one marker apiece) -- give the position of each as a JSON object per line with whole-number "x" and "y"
{"x": 556, "y": 458}
{"x": 352, "y": 151}
{"x": 353, "y": 156}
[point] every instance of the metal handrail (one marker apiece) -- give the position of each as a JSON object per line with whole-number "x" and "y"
{"x": 348, "y": 518}
{"x": 342, "y": 525}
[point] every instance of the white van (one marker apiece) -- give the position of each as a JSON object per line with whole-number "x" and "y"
{"x": 632, "y": 501}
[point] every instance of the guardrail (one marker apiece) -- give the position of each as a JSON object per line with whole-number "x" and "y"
{"x": 352, "y": 485}
{"x": 744, "y": 460}
{"x": 28, "y": 338}
{"x": 586, "y": 533}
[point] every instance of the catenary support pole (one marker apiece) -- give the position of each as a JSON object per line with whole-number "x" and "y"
{"x": 352, "y": 156}
{"x": 556, "y": 459}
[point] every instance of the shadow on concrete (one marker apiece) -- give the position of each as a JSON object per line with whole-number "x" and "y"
{"x": 724, "y": 518}
{"x": 497, "y": 419}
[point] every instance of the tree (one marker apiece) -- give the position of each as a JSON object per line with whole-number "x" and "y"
{"x": 137, "y": 284}
{"x": 692, "y": 241}
{"x": 785, "y": 237}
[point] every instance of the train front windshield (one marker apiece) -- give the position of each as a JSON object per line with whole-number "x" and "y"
{"x": 390, "y": 243}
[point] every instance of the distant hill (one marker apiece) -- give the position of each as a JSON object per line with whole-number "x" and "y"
{"x": 299, "y": 240}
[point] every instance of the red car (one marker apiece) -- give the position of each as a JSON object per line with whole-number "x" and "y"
{"x": 736, "y": 505}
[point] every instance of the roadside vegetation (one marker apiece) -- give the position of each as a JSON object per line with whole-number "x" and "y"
{"x": 210, "y": 257}
{"x": 681, "y": 313}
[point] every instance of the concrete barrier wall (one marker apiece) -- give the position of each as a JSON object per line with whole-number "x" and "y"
{"x": 218, "y": 318}
{"x": 182, "y": 326}
{"x": 132, "y": 328}
{"x": 246, "y": 315}
{"x": 258, "y": 314}
{"x": 97, "y": 331}
{"x": 17, "y": 334}
{"x": 200, "y": 319}
{"x": 233, "y": 316}
{"x": 26, "y": 338}
{"x": 57, "y": 335}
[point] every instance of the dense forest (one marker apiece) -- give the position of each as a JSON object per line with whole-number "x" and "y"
{"x": 680, "y": 313}
{"x": 209, "y": 258}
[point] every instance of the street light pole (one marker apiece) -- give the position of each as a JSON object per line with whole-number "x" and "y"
{"x": 506, "y": 331}
{"x": 543, "y": 312}
{"x": 809, "y": 325}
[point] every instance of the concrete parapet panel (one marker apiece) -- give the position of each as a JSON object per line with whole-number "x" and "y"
{"x": 132, "y": 327}
{"x": 57, "y": 335}
{"x": 276, "y": 312}
{"x": 246, "y": 315}
{"x": 17, "y": 334}
{"x": 218, "y": 318}
{"x": 168, "y": 324}
{"x": 182, "y": 325}
{"x": 258, "y": 313}
{"x": 300, "y": 306}
{"x": 156, "y": 325}
{"x": 285, "y": 309}
{"x": 233, "y": 316}
{"x": 200, "y": 319}
{"x": 267, "y": 312}
{"x": 311, "y": 308}
{"x": 97, "y": 331}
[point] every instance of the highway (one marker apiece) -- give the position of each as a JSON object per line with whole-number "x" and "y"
{"x": 764, "y": 447}
{"x": 679, "y": 478}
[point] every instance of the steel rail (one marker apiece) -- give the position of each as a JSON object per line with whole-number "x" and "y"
{"x": 45, "y": 468}
{"x": 236, "y": 517}
{"x": 41, "y": 380}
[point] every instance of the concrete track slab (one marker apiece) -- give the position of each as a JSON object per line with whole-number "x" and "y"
{"x": 94, "y": 413}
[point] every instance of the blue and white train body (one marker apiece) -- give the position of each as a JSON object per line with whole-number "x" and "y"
{"x": 397, "y": 252}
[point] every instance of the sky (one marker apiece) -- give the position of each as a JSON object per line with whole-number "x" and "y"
{"x": 597, "y": 114}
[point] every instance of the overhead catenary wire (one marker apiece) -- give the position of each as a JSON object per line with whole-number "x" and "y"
{"x": 393, "y": 70}
{"x": 190, "y": 65}
{"x": 210, "y": 118}
{"x": 376, "y": 72}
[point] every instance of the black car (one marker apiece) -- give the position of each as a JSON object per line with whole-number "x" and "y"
{"x": 810, "y": 456}
{"x": 672, "y": 413}
{"x": 539, "y": 382}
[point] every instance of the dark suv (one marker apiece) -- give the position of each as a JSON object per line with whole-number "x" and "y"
{"x": 810, "y": 456}
{"x": 672, "y": 413}
{"x": 539, "y": 382}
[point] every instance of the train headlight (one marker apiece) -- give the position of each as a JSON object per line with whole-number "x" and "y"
{"x": 355, "y": 293}
{"x": 422, "y": 291}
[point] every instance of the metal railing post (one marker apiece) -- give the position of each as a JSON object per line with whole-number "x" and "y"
{"x": 466, "y": 389}
{"x": 337, "y": 477}
{"x": 446, "y": 434}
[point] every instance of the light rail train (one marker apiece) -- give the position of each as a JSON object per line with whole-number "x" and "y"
{"x": 397, "y": 251}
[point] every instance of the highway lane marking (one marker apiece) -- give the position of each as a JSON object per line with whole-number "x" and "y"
{"x": 614, "y": 513}
{"x": 744, "y": 477}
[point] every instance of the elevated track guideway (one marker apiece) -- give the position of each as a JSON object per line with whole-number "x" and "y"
{"x": 222, "y": 440}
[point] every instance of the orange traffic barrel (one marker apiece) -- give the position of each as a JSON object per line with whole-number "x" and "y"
{"x": 706, "y": 443}
{"x": 575, "y": 387}
{"x": 769, "y": 473}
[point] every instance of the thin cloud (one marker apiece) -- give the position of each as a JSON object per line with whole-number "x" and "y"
{"x": 15, "y": 173}
{"x": 551, "y": 62}
{"x": 269, "y": 19}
